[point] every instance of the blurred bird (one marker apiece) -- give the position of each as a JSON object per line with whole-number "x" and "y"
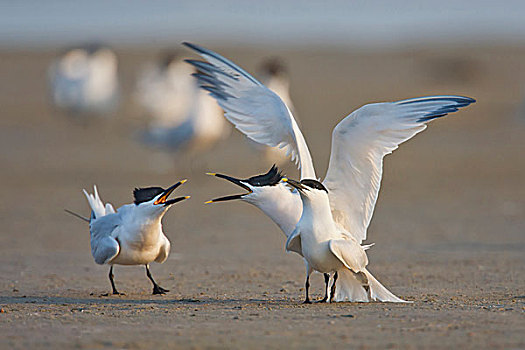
{"x": 182, "y": 117}
{"x": 344, "y": 202}
{"x": 84, "y": 81}
{"x": 133, "y": 234}
{"x": 273, "y": 73}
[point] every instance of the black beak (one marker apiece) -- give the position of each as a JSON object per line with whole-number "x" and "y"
{"x": 233, "y": 180}
{"x": 175, "y": 200}
{"x": 163, "y": 199}
{"x": 295, "y": 184}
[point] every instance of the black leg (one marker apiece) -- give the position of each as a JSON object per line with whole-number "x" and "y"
{"x": 332, "y": 291}
{"x": 115, "y": 291}
{"x": 326, "y": 281}
{"x": 156, "y": 288}
{"x": 307, "y": 287}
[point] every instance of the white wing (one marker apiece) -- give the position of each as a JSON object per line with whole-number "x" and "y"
{"x": 103, "y": 246}
{"x": 359, "y": 143}
{"x": 249, "y": 105}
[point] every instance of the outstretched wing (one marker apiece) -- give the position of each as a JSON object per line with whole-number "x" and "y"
{"x": 359, "y": 143}
{"x": 249, "y": 105}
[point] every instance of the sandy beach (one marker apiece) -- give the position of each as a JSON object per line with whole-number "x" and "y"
{"x": 448, "y": 227}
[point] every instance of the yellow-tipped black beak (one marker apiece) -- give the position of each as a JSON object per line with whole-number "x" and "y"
{"x": 238, "y": 182}
{"x": 164, "y": 198}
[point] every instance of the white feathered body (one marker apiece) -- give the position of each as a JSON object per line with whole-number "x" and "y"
{"x": 127, "y": 236}
{"x": 317, "y": 229}
{"x": 141, "y": 239}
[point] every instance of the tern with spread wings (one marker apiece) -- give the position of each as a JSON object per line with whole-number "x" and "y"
{"x": 344, "y": 202}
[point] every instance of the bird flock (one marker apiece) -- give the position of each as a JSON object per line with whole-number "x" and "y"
{"x": 324, "y": 221}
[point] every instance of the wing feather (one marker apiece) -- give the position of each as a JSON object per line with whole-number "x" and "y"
{"x": 254, "y": 109}
{"x": 360, "y": 142}
{"x": 103, "y": 246}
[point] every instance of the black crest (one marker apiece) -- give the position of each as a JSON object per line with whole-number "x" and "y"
{"x": 271, "y": 178}
{"x": 146, "y": 194}
{"x": 314, "y": 184}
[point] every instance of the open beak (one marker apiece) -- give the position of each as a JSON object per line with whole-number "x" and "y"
{"x": 299, "y": 186}
{"x": 164, "y": 198}
{"x": 233, "y": 180}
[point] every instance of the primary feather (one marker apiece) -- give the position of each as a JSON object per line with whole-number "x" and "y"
{"x": 254, "y": 109}
{"x": 359, "y": 144}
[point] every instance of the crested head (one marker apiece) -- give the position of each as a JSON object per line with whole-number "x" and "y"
{"x": 309, "y": 189}
{"x": 314, "y": 184}
{"x": 271, "y": 178}
{"x": 254, "y": 186}
{"x": 155, "y": 199}
{"x": 142, "y": 195}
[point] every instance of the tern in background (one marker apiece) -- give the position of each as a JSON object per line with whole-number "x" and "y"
{"x": 181, "y": 116}
{"x": 351, "y": 185}
{"x": 84, "y": 80}
{"x": 273, "y": 74}
{"x": 133, "y": 234}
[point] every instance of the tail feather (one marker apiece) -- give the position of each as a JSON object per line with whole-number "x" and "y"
{"x": 96, "y": 204}
{"x": 379, "y": 293}
{"x": 349, "y": 288}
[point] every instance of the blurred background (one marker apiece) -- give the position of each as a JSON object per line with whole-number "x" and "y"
{"x": 96, "y": 93}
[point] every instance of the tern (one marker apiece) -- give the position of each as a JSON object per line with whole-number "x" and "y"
{"x": 84, "y": 80}
{"x": 344, "y": 202}
{"x": 181, "y": 116}
{"x": 268, "y": 193}
{"x": 133, "y": 234}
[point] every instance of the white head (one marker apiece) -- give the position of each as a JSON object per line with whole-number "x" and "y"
{"x": 105, "y": 59}
{"x": 153, "y": 202}
{"x": 256, "y": 186}
{"x": 268, "y": 193}
{"x": 74, "y": 63}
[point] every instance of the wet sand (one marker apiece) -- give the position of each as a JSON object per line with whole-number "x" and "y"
{"x": 449, "y": 225}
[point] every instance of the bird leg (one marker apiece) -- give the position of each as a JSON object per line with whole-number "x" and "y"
{"x": 326, "y": 281}
{"x": 332, "y": 290}
{"x": 156, "y": 288}
{"x": 115, "y": 291}
{"x": 306, "y": 287}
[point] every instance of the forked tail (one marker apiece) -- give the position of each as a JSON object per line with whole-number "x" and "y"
{"x": 350, "y": 288}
